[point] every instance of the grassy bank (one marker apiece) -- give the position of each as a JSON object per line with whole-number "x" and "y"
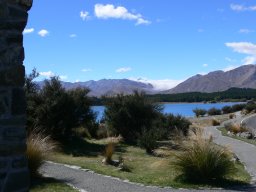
{"x": 142, "y": 168}
{"x": 225, "y": 133}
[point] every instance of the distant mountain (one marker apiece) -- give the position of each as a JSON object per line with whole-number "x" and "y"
{"x": 241, "y": 77}
{"x": 109, "y": 87}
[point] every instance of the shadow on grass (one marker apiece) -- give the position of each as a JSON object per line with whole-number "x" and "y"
{"x": 41, "y": 182}
{"x": 220, "y": 183}
{"x": 80, "y": 147}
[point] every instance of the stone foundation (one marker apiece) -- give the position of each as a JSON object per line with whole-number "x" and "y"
{"x": 14, "y": 174}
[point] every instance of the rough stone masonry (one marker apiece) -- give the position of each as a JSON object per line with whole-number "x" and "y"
{"x": 14, "y": 174}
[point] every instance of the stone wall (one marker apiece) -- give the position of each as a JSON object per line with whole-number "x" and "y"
{"x": 14, "y": 175}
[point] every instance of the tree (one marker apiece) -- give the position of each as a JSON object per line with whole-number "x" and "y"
{"x": 214, "y": 111}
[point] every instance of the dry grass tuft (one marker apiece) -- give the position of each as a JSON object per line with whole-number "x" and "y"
{"x": 215, "y": 122}
{"x": 109, "y": 151}
{"x": 235, "y": 128}
{"x": 39, "y": 147}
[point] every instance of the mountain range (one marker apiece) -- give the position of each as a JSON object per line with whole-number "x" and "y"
{"x": 241, "y": 77}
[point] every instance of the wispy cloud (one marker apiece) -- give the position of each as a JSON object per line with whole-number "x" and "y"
{"x": 28, "y": 30}
{"x": 123, "y": 70}
{"x": 63, "y": 77}
{"x": 247, "y": 48}
{"x": 205, "y": 65}
{"x": 230, "y": 60}
{"x": 229, "y": 68}
{"x": 200, "y": 30}
{"x": 86, "y": 70}
{"x": 110, "y": 11}
{"x": 43, "y": 33}
{"x": 245, "y": 31}
{"x": 84, "y": 15}
{"x": 160, "y": 85}
{"x": 72, "y": 35}
{"x": 47, "y": 74}
{"x": 239, "y": 7}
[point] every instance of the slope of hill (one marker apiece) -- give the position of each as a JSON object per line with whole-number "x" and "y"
{"x": 241, "y": 77}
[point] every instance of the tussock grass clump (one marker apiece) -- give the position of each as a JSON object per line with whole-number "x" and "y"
{"x": 39, "y": 147}
{"x": 235, "y": 128}
{"x": 232, "y": 116}
{"x": 108, "y": 153}
{"x": 215, "y": 122}
{"x": 204, "y": 161}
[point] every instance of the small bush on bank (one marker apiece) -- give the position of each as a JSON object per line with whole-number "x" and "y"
{"x": 232, "y": 116}
{"x": 39, "y": 147}
{"x": 235, "y": 128}
{"x": 215, "y": 122}
{"x": 214, "y": 111}
{"x": 199, "y": 112}
{"x": 109, "y": 151}
{"x": 227, "y": 109}
{"x": 202, "y": 160}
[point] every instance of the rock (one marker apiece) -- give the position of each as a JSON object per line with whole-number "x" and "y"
{"x": 246, "y": 135}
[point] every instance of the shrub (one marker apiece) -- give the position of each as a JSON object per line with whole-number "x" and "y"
{"x": 232, "y": 116}
{"x": 250, "y": 107}
{"x": 148, "y": 140}
{"x": 215, "y": 122}
{"x": 128, "y": 115}
{"x": 199, "y": 112}
{"x": 238, "y": 107}
{"x": 39, "y": 147}
{"x": 235, "y": 128}
{"x": 214, "y": 111}
{"x": 203, "y": 160}
{"x": 227, "y": 109}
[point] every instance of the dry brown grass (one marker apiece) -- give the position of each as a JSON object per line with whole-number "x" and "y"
{"x": 235, "y": 128}
{"x": 215, "y": 122}
{"x": 39, "y": 147}
{"x": 109, "y": 151}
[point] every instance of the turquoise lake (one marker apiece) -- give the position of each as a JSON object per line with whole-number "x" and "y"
{"x": 185, "y": 109}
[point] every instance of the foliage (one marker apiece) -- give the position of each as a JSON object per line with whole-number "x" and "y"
{"x": 57, "y": 111}
{"x": 199, "y": 112}
{"x": 226, "y": 109}
{"x": 203, "y": 160}
{"x": 39, "y": 147}
{"x": 214, "y": 111}
{"x": 148, "y": 140}
{"x": 129, "y": 115}
{"x": 250, "y": 107}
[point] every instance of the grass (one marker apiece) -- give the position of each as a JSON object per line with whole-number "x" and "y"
{"x": 41, "y": 184}
{"x": 204, "y": 161}
{"x": 225, "y": 133}
{"x": 39, "y": 147}
{"x": 144, "y": 168}
{"x": 207, "y": 121}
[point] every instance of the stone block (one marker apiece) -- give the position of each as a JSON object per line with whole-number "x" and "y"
{"x": 14, "y": 133}
{"x": 19, "y": 162}
{"x": 8, "y": 148}
{"x": 4, "y": 12}
{"x": 18, "y": 102}
{"x": 15, "y": 37}
{"x": 13, "y": 76}
{"x": 17, "y": 12}
{"x": 16, "y": 181}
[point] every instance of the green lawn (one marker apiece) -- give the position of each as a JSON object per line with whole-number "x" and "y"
{"x": 49, "y": 185}
{"x": 225, "y": 133}
{"x": 144, "y": 168}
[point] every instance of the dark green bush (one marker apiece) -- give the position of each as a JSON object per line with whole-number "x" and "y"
{"x": 214, "y": 111}
{"x": 227, "y": 109}
{"x": 148, "y": 140}
{"x": 199, "y": 112}
{"x": 129, "y": 115}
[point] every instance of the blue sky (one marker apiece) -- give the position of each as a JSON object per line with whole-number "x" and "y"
{"x": 158, "y": 41}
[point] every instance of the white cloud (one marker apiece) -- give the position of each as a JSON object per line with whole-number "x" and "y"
{"x": 237, "y": 7}
{"x": 72, "y": 35}
{"x": 84, "y": 15}
{"x": 245, "y": 31}
{"x": 47, "y": 74}
{"x": 205, "y": 65}
{"x": 63, "y": 77}
{"x": 229, "y": 68}
{"x": 28, "y": 30}
{"x": 86, "y": 70}
{"x": 110, "y": 11}
{"x": 123, "y": 70}
{"x": 43, "y": 33}
{"x": 159, "y": 85}
{"x": 244, "y": 48}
